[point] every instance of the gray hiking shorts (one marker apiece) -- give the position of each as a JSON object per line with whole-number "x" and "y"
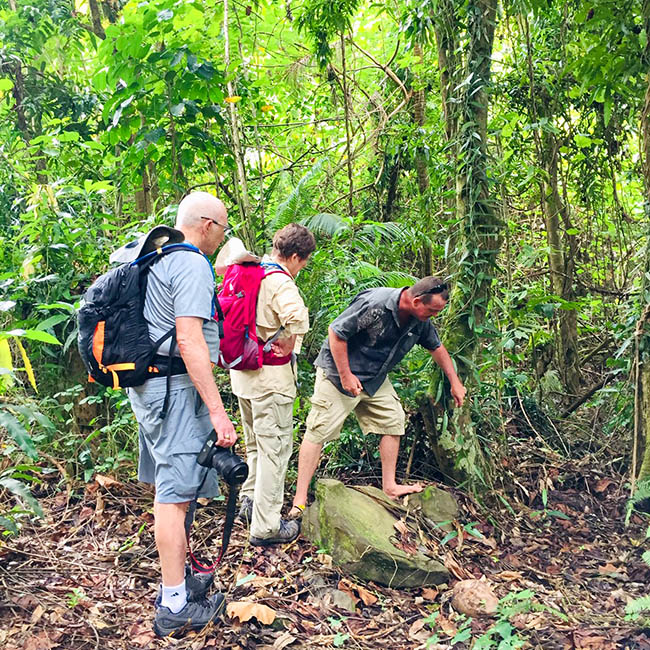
{"x": 169, "y": 447}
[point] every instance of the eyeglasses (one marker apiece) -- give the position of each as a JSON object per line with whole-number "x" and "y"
{"x": 226, "y": 229}
{"x": 439, "y": 288}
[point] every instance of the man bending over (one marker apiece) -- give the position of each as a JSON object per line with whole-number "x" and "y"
{"x": 364, "y": 344}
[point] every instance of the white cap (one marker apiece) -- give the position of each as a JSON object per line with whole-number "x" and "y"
{"x": 233, "y": 252}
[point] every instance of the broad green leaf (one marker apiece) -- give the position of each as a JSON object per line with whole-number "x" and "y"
{"x": 18, "y": 432}
{"x": 21, "y": 491}
{"x": 34, "y": 335}
{"x": 9, "y": 525}
{"x": 6, "y": 84}
{"x": 582, "y": 141}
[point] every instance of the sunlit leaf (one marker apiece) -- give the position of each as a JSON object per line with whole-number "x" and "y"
{"x": 28, "y": 364}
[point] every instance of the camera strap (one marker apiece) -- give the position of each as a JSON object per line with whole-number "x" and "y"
{"x": 231, "y": 510}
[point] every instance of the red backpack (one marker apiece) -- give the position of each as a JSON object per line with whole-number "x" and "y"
{"x": 236, "y": 306}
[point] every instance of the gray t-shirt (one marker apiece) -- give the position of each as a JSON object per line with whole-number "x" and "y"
{"x": 179, "y": 284}
{"x": 376, "y": 340}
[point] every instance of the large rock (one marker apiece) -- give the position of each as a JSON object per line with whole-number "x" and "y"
{"x": 438, "y": 506}
{"x": 356, "y": 530}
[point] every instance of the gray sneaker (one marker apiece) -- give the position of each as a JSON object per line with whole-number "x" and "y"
{"x": 246, "y": 510}
{"x": 289, "y": 530}
{"x": 194, "y": 616}
{"x": 196, "y": 584}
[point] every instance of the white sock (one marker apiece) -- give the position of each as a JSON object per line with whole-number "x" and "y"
{"x": 174, "y": 598}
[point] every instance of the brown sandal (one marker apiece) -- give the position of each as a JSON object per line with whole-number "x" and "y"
{"x": 296, "y": 512}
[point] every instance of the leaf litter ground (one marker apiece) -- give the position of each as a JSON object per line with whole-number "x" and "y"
{"x": 86, "y": 576}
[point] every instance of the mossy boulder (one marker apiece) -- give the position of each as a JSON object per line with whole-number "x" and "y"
{"x": 438, "y": 506}
{"x": 356, "y": 530}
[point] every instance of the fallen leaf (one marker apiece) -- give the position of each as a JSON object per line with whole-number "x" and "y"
{"x": 283, "y": 641}
{"x": 428, "y": 593}
{"x": 325, "y": 560}
{"x": 603, "y": 484}
{"x": 141, "y": 634}
{"x": 26, "y": 602}
{"x": 417, "y": 631}
{"x": 446, "y": 625}
{"x": 509, "y": 575}
{"x": 366, "y": 596}
{"x": 143, "y": 639}
{"x": 244, "y": 611}
{"x": 348, "y": 588}
{"x": 37, "y": 614}
{"x": 607, "y": 568}
{"x": 40, "y": 641}
{"x": 106, "y": 481}
{"x": 455, "y": 569}
{"x": 400, "y": 526}
{"x": 474, "y": 598}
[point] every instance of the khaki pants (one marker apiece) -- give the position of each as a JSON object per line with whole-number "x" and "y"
{"x": 268, "y": 434}
{"x": 382, "y": 413}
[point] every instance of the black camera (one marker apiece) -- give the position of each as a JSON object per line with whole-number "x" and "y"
{"x": 232, "y": 469}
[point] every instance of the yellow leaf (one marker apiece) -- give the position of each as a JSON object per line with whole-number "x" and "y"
{"x": 28, "y": 268}
{"x": 233, "y": 99}
{"x": 244, "y": 611}
{"x": 6, "y": 362}
{"x": 28, "y": 364}
{"x": 267, "y": 107}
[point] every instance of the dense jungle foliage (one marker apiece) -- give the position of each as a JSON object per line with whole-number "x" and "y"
{"x": 502, "y": 145}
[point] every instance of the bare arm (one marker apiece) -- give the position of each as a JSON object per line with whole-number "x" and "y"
{"x": 339, "y": 348}
{"x": 196, "y": 355}
{"x": 442, "y": 358}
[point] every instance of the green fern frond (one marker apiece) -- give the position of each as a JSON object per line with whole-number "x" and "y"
{"x": 642, "y": 493}
{"x": 299, "y": 201}
{"x": 638, "y": 605}
{"x": 327, "y": 223}
{"x": 367, "y": 275}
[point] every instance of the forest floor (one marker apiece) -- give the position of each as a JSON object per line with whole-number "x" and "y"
{"x": 86, "y": 576}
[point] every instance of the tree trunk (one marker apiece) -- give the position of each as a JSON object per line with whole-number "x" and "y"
{"x": 480, "y": 235}
{"x": 447, "y": 30}
{"x": 96, "y": 17}
{"x": 561, "y": 266}
{"x": 241, "y": 185}
{"x": 642, "y": 392}
{"x": 419, "y": 114}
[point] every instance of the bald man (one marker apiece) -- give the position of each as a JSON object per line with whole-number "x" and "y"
{"x": 180, "y": 294}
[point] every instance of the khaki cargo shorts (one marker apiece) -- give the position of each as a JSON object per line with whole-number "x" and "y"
{"x": 382, "y": 413}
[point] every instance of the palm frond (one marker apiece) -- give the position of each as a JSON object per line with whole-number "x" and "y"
{"x": 299, "y": 201}
{"x": 327, "y": 223}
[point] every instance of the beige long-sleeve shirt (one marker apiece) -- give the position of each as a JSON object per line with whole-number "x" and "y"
{"x": 279, "y": 304}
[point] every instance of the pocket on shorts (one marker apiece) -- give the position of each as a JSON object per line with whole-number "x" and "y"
{"x": 317, "y": 417}
{"x": 283, "y": 410}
